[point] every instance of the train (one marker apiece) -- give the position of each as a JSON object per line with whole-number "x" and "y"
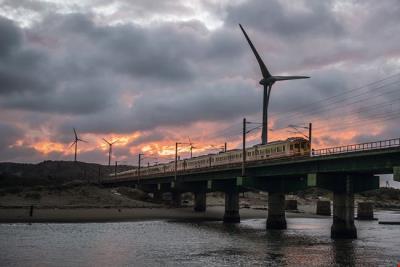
{"x": 291, "y": 147}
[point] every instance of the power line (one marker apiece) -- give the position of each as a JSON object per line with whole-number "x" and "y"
{"x": 325, "y": 109}
{"x": 307, "y": 106}
{"x": 345, "y": 114}
{"x": 362, "y": 122}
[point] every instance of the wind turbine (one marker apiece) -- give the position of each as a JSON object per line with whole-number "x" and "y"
{"x": 77, "y": 139}
{"x": 109, "y": 149}
{"x": 267, "y": 81}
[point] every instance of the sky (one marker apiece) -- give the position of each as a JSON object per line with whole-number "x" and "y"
{"x": 152, "y": 73}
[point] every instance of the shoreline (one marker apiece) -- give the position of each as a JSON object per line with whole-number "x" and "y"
{"x": 126, "y": 214}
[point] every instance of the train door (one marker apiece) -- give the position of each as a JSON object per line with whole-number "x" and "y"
{"x": 296, "y": 148}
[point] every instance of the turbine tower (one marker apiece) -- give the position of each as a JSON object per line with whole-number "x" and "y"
{"x": 267, "y": 81}
{"x": 109, "y": 150}
{"x": 77, "y": 139}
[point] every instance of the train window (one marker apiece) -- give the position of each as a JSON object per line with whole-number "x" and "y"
{"x": 291, "y": 147}
{"x": 279, "y": 149}
{"x": 296, "y": 145}
{"x": 303, "y": 145}
{"x": 283, "y": 148}
{"x": 249, "y": 154}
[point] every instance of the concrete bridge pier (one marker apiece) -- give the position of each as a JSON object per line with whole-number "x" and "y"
{"x": 231, "y": 207}
{"x": 323, "y": 208}
{"x": 343, "y": 210}
{"x": 176, "y": 199}
{"x": 365, "y": 211}
{"x": 200, "y": 201}
{"x": 276, "y": 211}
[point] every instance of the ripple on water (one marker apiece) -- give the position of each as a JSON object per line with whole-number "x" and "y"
{"x": 306, "y": 242}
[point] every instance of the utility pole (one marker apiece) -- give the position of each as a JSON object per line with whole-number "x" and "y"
{"x": 244, "y": 148}
{"x": 115, "y": 169}
{"x": 176, "y": 159}
{"x": 310, "y": 133}
{"x": 139, "y": 161}
{"x": 225, "y": 146}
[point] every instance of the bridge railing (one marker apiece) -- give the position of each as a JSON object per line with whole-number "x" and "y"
{"x": 357, "y": 147}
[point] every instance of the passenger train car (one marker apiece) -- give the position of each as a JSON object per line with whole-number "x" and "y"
{"x": 291, "y": 147}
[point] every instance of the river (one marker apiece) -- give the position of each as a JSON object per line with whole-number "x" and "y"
{"x": 306, "y": 242}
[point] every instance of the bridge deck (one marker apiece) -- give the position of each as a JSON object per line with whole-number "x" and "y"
{"x": 377, "y": 161}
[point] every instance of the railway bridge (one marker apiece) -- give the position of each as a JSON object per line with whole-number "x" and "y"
{"x": 343, "y": 170}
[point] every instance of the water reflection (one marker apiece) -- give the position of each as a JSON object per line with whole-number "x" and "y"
{"x": 343, "y": 252}
{"x": 307, "y": 242}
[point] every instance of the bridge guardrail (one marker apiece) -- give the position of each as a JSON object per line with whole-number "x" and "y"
{"x": 356, "y": 147}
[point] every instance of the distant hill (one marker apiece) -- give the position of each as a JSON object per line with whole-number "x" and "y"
{"x": 53, "y": 172}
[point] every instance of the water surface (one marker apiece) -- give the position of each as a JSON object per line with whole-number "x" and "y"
{"x": 307, "y": 242}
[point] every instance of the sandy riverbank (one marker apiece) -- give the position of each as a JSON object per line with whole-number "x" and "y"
{"x": 113, "y": 214}
{"x": 97, "y": 204}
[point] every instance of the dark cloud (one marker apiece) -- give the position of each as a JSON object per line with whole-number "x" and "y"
{"x": 142, "y": 65}
{"x": 151, "y": 136}
{"x": 21, "y": 68}
{"x": 314, "y": 18}
{"x": 72, "y": 98}
{"x": 10, "y": 37}
{"x": 205, "y": 102}
{"x": 9, "y": 150}
{"x": 9, "y": 135}
{"x": 36, "y": 5}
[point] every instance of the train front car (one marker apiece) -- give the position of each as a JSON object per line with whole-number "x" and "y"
{"x": 293, "y": 146}
{"x": 298, "y": 146}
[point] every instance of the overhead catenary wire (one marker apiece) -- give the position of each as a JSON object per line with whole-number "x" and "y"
{"x": 344, "y": 113}
{"x": 368, "y": 95}
{"x": 307, "y": 106}
{"x": 367, "y": 121}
